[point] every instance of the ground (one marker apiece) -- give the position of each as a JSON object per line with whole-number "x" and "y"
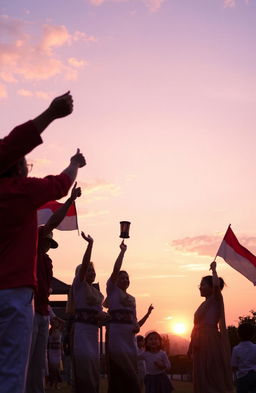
{"x": 180, "y": 387}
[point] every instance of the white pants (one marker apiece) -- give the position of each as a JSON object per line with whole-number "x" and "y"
{"x": 37, "y": 357}
{"x": 16, "y": 321}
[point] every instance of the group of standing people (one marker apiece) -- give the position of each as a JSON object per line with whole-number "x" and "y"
{"x": 26, "y": 270}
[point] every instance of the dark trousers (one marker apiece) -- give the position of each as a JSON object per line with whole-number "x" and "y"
{"x": 247, "y": 384}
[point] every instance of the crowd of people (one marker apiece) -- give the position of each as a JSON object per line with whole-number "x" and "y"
{"x": 133, "y": 365}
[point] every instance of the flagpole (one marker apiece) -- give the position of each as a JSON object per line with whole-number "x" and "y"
{"x": 220, "y": 243}
{"x": 76, "y": 219}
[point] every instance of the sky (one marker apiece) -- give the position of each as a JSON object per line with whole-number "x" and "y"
{"x": 164, "y": 111}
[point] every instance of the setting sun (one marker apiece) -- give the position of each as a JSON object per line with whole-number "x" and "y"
{"x": 179, "y": 328}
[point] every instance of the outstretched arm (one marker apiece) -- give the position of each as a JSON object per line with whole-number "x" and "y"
{"x": 143, "y": 320}
{"x": 59, "y": 215}
{"x": 87, "y": 255}
{"x": 60, "y": 107}
{"x": 118, "y": 263}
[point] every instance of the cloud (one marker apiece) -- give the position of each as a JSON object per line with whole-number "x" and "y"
{"x": 25, "y": 93}
{"x": 28, "y": 93}
{"x": 152, "y": 5}
{"x": 159, "y": 276}
{"x": 34, "y": 56}
{"x": 206, "y": 245}
{"x": 3, "y": 91}
{"x": 100, "y": 189}
{"x": 76, "y": 63}
{"x": 229, "y": 3}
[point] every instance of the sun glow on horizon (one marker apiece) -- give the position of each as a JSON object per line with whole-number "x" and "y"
{"x": 179, "y": 328}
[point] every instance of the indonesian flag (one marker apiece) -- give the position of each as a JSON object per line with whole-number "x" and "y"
{"x": 238, "y": 256}
{"x": 69, "y": 222}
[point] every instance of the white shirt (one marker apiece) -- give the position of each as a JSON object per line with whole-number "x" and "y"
{"x": 244, "y": 358}
{"x": 150, "y": 359}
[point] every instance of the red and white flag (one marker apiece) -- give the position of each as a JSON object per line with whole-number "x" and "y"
{"x": 69, "y": 222}
{"x": 238, "y": 256}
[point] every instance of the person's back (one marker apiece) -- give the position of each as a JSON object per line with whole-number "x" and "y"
{"x": 244, "y": 359}
{"x": 19, "y": 199}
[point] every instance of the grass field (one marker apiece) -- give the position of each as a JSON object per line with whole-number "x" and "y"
{"x": 180, "y": 387}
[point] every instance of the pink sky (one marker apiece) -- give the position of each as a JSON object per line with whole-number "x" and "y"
{"x": 164, "y": 95}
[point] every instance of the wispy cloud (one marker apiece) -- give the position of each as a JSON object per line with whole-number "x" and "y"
{"x": 229, "y": 3}
{"x": 3, "y": 91}
{"x": 152, "y": 5}
{"x": 206, "y": 245}
{"x": 35, "y": 57}
{"x": 159, "y": 276}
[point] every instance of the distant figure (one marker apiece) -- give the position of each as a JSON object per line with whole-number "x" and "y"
{"x": 120, "y": 341}
{"x": 157, "y": 363}
{"x": 141, "y": 362}
{"x": 244, "y": 359}
{"x": 54, "y": 354}
{"x": 20, "y": 197}
{"x": 209, "y": 345}
{"x": 87, "y": 305}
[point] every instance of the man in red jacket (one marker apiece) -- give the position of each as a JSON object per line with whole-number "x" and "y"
{"x": 20, "y": 197}
{"x": 36, "y": 368}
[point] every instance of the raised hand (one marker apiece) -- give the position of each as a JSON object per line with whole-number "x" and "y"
{"x": 76, "y": 192}
{"x": 61, "y": 106}
{"x": 150, "y": 309}
{"x": 88, "y": 238}
{"x": 213, "y": 266}
{"x": 78, "y": 159}
{"x": 123, "y": 246}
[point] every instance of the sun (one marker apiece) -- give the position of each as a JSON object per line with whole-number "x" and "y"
{"x": 179, "y": 328}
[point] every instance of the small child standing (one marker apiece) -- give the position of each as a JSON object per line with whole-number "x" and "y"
{"x": 244, "y": 359}
{"x": 157, "y": 363}
{"x": 141, "y": 362}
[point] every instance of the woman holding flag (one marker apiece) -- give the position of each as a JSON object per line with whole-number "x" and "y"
{"x": 209, "y": 345}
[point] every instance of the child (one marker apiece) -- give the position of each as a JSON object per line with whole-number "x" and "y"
{"x": 141, "y": 362}
{"x": 55, "y": 354}
{"x": 244, "y": 359}
{"x": 157, "y": 363}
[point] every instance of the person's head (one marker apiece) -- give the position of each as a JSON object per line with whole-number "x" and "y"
{"x": 19, "y": 169}
{"x": 90, "y": 273}
{"x": 123, "y": 280}
{"x": 153, "y": 342}
{"x": 47, "y": 242}
{"x": 206, "y": 286}
{"x": 246, "y": 331}
{"x": 140, "y": 341}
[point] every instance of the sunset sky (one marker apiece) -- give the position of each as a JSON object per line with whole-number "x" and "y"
{"x": 164, "y": 112}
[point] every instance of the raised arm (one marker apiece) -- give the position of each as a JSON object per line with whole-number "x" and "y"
{"x": 118, "y": 263}
{"x": 87, "y": 255}
{"x": 59, "y": 215}
{"x": 60, "y": 107}
{"x": 76, "y": 162}
{"x": 215, "y": 280}
{"x": 143, "y": 320}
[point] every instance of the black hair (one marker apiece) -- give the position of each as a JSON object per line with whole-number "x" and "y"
{"x": 123, "y": 271}
{"x": 153, "y": 334}
{"x": 139, "y": 337}
{"x": 209, "y": 281}
{"x": 246, "y": 331}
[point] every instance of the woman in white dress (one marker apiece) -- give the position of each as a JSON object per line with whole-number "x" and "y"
{"x": 121, "y": 347}
{"x": 87, "y": 304}
{"x": 209, "y": 345}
